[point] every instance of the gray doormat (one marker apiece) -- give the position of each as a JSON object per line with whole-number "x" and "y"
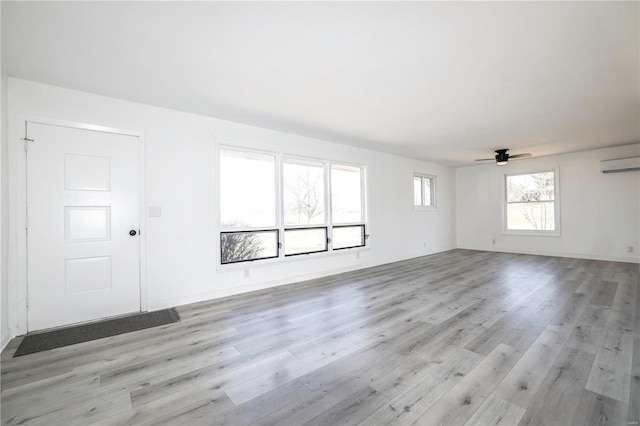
{"x": 83, "y": 333}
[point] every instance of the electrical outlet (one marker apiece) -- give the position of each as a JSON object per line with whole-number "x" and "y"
{"x": 493, "y": 241}
{"x": 246, "y": 273}
{"x": 630, "y": 249}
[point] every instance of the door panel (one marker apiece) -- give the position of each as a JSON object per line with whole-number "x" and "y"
{"x": 82, "y": 201}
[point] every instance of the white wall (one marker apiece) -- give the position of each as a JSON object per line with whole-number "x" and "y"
{"x": 180, "y": 177}
{"x": 4, "y": 216}
{"x": 600, "y": 213}
{"x": 4, "y": 205}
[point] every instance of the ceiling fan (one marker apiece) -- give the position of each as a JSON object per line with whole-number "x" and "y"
{"x": 502, "y": 157}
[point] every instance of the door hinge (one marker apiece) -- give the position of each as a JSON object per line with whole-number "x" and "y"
{"x": 26, "y": 222}
{"x": 27, "y": 300}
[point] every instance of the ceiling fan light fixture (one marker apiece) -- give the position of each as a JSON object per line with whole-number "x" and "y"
{"x": 502, "y": 157}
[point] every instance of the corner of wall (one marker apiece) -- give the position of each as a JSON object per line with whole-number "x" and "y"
{"x": 456, "y": 241}
{"x": 5, "y": 332}
{"x": 599, "y": 231}
{"x": 453, "y": 229}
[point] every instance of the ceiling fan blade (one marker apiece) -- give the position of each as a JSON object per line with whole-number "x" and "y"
{"x": 485, "y": 159}
{"x": 523, "y": 155}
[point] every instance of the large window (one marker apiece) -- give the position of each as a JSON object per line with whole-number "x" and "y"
{"x": 247, "y": 206}
{"x": 303, "y": 191}
{"x": 531, "y": 204}
{"x": 278, "y": 206}
{"x": 346, "y": 194}
{"x": 424, "y": 191}
{"x": 303, "y": 197}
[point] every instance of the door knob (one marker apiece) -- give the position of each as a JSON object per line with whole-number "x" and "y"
{"x": 133, "y": 232}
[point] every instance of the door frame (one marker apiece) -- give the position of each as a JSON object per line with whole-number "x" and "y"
{"x": 19, "y": 292}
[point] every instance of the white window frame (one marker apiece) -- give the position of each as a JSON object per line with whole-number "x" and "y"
{"x": 434, "y": 191}
{"x": 248, "y": 229}
{"x": 280, "y": 226}
{"x": 556, "y": 205}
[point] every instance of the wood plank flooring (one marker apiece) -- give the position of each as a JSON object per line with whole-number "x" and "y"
{"x": 461, "y": 337}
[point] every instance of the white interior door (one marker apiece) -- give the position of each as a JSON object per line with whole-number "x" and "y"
{"x": 82, "y": 212}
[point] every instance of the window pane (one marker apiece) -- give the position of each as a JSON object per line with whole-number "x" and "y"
{"x": 346, "y": 194}
{"x": 303, "y": 192}
{"x": 347, "y": 237}
{"x": 533, "y": 187}
{"x": 300, "y": 241}
{"x": 531, "y": 216}
{"x": 417, "y": 191}
{"x": 247, "y": 189}
{"x": 426, "y": 183}
{"x": 243, "y": 246}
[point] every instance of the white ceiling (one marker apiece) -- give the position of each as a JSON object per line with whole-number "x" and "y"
{"x": 446, "y": 82}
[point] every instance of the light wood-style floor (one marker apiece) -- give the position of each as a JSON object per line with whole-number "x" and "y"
{"x": 462, "y": 337}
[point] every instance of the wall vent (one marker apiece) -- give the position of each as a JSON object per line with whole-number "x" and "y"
{"x": 620, "y": 165}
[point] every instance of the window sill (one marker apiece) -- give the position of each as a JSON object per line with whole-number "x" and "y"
{"x": 425, "y": 208}
{"x": 523, "y": 233}
{"x": 275, "y": 261}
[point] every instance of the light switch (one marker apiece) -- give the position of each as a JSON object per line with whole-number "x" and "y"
{"x": 155, "y": 211}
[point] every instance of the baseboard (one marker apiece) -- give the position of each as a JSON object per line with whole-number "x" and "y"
{"x": 232, "y": 291}
{"x": 6, "y": 338}
{"x": 568, "y": 255}
{"x": 200, "y": 297}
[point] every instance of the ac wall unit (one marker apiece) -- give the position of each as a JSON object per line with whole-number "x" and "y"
{"x": 620, "y": 165}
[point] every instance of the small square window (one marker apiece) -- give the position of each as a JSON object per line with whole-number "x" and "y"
{"x": 347, "y": 201}
{"x": 424, "y": 190}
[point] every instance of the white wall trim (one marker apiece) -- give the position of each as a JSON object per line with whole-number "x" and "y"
{"x": 557, "y": 204}
{"x": 18, "y": 314}
{"x": 6, "y": 338}
{"x": 549, "y": 254}
{"x": 162, "y": 304}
